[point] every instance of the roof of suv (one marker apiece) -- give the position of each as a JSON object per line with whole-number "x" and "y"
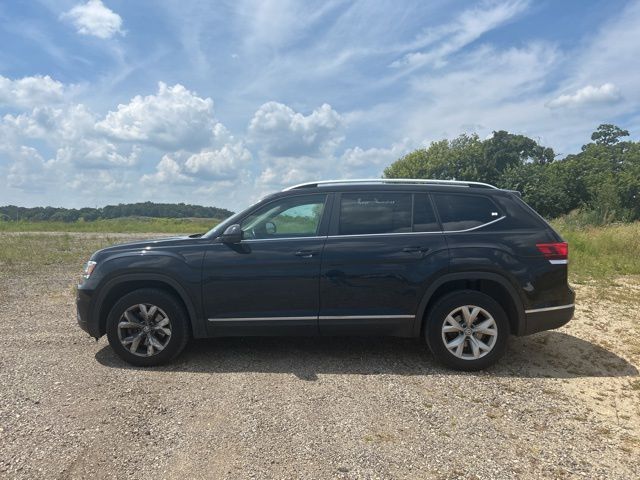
{"x": 390, "y": 181}
{"x": 402, "y": 184}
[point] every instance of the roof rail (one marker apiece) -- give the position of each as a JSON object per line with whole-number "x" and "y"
{"x": 381, "y": 181}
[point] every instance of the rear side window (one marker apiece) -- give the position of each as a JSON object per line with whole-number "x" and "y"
{"x": 364, "y": 213}
{"x": 424, "y": 218}
{"x": 461, "y": 212}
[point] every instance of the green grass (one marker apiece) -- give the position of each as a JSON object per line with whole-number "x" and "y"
{"x": 600, "y": 253}
{"x": 595, "y": 253}
{"x": 31, "y": 252}
{"x": 116, "y": 225}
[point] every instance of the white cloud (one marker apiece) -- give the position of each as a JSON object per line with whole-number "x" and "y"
{"x": 356, "y": 160}
{"x": 173, "y": 119}
{"x": 223, "y": 164}
{"x": 589, "y": 95}
{"x": 282, "y": 132}
{"x": 209, "y": 165}
{"x": 30, "y": 91}
{"x": 450, "y": 38}
{"x": 93, "y": 18}
{"x": 29, "y": 171}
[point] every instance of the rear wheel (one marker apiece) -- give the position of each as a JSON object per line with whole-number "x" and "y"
{"x": 147, "y": 327}
{"x": 467, "y": 330}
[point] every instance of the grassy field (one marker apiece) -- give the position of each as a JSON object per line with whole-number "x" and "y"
{"x": 117, "y": 225}
{"x": 600, "y": 253}
{"x": 595, "y": 253}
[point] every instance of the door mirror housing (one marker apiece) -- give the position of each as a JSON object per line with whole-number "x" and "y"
{"x": 232, "y": 234}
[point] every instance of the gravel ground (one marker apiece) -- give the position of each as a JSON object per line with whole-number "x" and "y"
{"x": 562, "y": 404}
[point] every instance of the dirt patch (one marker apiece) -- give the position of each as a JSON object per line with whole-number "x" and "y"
{"x": 562, "y": 404}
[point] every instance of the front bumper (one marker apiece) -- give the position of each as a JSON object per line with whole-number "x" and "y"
{"x": 83, "y": 312}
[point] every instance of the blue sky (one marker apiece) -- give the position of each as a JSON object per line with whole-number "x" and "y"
{"x": 218, "y": 103}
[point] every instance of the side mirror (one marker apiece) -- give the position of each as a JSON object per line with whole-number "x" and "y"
{"x": 233, "y": 234}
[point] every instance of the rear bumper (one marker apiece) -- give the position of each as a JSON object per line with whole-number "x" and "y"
{"x": 548, "y": 318}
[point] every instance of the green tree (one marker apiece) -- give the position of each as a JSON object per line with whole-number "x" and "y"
{"x": 608, "y": 134}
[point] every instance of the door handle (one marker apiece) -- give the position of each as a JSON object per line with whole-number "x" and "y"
{"x": 306, "y": 253}
{"x": 416, "y": 249}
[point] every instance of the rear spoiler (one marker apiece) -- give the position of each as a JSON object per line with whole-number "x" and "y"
{"x": 515, "y": 192}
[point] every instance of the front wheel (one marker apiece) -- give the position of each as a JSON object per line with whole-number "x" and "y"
{"x": 147, "y": 327}
{"x": 467, "y": 330}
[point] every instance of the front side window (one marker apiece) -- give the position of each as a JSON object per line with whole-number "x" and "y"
{"x": 288, "y": 217}
{"x": 367, "y": 213}
{"x": 462, "y": 212}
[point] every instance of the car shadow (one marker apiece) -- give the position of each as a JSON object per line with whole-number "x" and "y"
{"x": 548, "y": 354}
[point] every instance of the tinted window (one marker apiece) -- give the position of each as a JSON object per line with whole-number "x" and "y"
{"x": 362, "y": 213}
{"x": 288, "y": 217}
{"x": 460, "y": 212}
{"x": 424, "y": 218}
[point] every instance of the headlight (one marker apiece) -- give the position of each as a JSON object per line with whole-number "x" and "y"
{"x": 89, "y": 267}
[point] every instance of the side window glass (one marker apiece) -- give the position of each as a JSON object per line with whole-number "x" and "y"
{"x": 461, "y": 212}
{"x": 366, "y": 213}
{"x": 290, "y": 217}
{"x": 424, "y": 218}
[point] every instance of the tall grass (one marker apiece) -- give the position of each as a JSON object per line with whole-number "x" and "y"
{"x": 595, "y": 253}
{"x": 116, "y": 225}
{"x": 601, "y": 252}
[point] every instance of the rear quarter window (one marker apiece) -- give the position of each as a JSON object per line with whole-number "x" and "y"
{"x": 462, "y": 212}
{"x": 366, "y": 213}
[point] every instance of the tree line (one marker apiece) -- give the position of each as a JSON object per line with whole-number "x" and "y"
{"x": 600, "y": 184}
{"x": 144, "y": 209}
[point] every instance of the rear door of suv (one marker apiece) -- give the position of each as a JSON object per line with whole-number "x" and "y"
{"x": 382, "y": 249}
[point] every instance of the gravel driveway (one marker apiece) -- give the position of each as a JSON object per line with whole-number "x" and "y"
{"x": 562, "y": 404}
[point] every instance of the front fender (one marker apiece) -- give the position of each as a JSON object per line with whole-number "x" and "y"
{"x": 166, "y": 268}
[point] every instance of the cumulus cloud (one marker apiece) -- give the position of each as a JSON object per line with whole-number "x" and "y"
{"x": 282, "y": 132}
{"x": 604, "y": 94}
{"x": 29, "y": 92}
{"x": 222, "y": 164}
{"x": 357, "y": 159}
{"x": 94, "y": 18}
{"x": 209, "y": 165}
{"x": 29, "y": 169}
{"x": 174, "y": 118}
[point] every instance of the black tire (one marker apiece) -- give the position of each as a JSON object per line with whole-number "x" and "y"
{"x": 437, "y": 316}
{"x": 167, "y": 304}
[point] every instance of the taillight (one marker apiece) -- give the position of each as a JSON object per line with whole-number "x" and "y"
{"x": 557, "y": 253}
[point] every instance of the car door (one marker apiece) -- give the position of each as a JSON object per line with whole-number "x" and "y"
{"x": 383, "y": 249}
{"x": 268, "y": 283}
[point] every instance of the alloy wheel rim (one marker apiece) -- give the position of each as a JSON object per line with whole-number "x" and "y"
{"x": 144, "y": 329}
{"x": 469, "y": 332}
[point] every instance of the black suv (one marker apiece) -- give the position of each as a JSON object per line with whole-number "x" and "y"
{"x": 460, "y": 264}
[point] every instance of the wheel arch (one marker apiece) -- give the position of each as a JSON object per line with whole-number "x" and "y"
{"x": 115, "y": 288}
{"x": 495, "y": 285}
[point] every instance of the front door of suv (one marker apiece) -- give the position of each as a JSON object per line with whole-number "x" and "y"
{"x": 268, "y": 283}
{"x": 383, "y": 249}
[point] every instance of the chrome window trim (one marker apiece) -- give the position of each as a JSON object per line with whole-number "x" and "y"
{"x": 549, "y": 309}
{"x": 477, "y": 227}
{"x": 252, "y": 240}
